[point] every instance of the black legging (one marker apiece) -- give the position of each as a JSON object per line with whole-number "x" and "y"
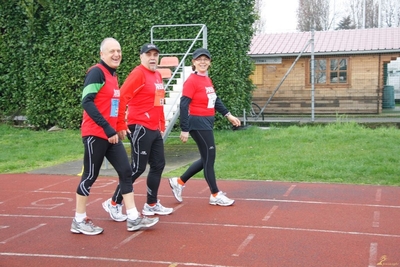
{"x": 95, "y": 150}
{"x": 147, "y": 146}
{"x": 206, "y": 145}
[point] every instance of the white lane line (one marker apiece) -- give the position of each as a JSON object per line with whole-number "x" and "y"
{"x": 227, "y": 225}
{"x": 205, "y": 189}
{"x": 251, "y": 199}
{"x": 164, "y": 263}
{"x": 317, "y": 202}
{"x": 51, "y": 185}
{"x": 378, "y": 195}
{"x": 289, "y": 190}
{"x": 91, "y": 203}
{"x": 179, "y": 206}
{"x": 286, "y": 229}
{"x": 243, "y": 245}
{"x": 20, "y": 234}
{"x": 373, "y": 252}
{"x": 126, "y": 240}
{"x": 375, "y": 222}
{"x": 48, "y": 203}
{"x": 269, "y": 214}
{"x": 94, "y": 201}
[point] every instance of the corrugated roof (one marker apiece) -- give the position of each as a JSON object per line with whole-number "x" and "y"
{"x": 381, "y": 40}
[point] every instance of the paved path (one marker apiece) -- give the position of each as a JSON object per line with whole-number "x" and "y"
{"x": 175, "y": 156}
{"x": 391, "y": 120}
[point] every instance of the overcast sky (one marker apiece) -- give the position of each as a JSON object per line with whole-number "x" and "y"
{"x": 280, "y": 15}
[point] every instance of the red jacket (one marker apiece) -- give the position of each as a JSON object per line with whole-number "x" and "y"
{"x": 143, "y": 92}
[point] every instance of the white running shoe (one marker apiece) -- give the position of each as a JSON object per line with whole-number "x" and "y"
{"x": 176, "y": 188}
{"x": 221, "y": 200}
{"x": 114, "y": 211}
{"x": 141, "y": 222}
{"x": 85, "y": 227}
{"x": 156, "y": 209}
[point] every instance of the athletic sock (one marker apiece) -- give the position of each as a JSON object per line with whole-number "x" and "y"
{"x": 180, "y": 181}
{"x": 133, "y": 214}
{"x": 215, "y": 194}
{"x": 79, "y": 217}
{"x": 113, "y": 203}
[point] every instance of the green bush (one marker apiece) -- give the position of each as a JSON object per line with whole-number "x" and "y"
{"x": 47, "y": 46}
{"x": 14, "y": 51}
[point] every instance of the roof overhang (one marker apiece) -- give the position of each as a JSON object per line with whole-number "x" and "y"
{"x": 308, "y": 54}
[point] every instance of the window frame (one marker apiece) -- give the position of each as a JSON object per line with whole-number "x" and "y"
{"x": 328, "y": 72}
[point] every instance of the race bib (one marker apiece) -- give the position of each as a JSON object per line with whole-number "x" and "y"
{"x": 159, "y": 97}
{"x": 114, "y": 107}
{"x": 211, "y": 100}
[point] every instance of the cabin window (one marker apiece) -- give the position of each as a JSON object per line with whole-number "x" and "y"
{"x": 330, "y": 71}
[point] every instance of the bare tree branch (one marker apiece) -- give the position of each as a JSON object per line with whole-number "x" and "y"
{"x": 314, "y": 14}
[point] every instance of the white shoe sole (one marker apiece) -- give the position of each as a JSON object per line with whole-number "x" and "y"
{"x": 151, "y": 213}
{"x": 221, "y": 204}
{"x": 84, "y": 232}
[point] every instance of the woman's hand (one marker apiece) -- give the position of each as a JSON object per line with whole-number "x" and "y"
{"x": 235, "y": 121}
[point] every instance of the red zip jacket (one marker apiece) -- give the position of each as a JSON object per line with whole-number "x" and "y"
{"x": 143, "y": 92}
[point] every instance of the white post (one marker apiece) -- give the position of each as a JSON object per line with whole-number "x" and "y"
{"x": 363, "y": 14}
{"x": 379, "y": 14}
{"x": 312, "y": 75}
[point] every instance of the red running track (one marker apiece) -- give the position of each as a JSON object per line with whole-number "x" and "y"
{"x": 271, "y": 224}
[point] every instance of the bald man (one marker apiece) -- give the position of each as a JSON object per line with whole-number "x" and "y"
{"x": 100, "y": 101}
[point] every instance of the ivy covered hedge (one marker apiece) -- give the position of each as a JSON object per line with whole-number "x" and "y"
{"x": 46, "y": 47}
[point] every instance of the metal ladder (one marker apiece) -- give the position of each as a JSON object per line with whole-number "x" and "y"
{"x": 180, "y": 73}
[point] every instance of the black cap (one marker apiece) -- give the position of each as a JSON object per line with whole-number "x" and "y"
{"x": 201, "y": 52}
{"x": 147, "y": 47}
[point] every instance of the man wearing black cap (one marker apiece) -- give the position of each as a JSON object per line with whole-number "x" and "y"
{"x": 143, "y": 121}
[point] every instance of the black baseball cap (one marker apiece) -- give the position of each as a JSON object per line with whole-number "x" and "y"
{"x": 147, "y": 47}
{"x": 201, "y": 52}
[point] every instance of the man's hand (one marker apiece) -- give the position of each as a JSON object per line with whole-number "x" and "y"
{"x": 113, "y": 139}
{"x": 122, "y": 134}
{"x": 184, "y": 136}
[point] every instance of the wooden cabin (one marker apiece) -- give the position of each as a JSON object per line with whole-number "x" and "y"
{"x": 349, "y": 70}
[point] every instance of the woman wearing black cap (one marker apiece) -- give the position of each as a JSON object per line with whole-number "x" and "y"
{"x": 197, "y": 110}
